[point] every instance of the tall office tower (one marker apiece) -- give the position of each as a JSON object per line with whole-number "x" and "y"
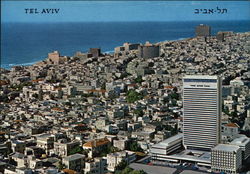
{"x": 202, "y": 111}
{"x": 203, "y": 30}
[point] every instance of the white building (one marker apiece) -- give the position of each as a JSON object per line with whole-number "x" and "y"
{"x": 201, "y": 111}
{"x": 226, "y": 158}
{"x": 114, "y": 159}
{"x": 95, "y": 166}
{"x": 244, "y": 143}
{"x": 160, "y": 150}
{"x": 74, "y": 162}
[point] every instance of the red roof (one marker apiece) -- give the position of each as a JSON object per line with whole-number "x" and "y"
{"x": 232, "y": 125}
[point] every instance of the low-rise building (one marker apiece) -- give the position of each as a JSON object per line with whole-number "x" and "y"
{"x": 166, "y": 147}
{"x": 95, "y": 166}
{"x": 45, "y": 141}
{"x": 63, "y": 149}
{"x": 114, "y": 159}
{"x": 244, "y": 143}
{"x": 96, "y": 146}
{"x": 226, "y": 158}
{"x": 74, "y": 162}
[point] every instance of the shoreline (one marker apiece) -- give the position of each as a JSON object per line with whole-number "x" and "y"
{"x": 107, "y": 52}
{"x": 9, "y": 66}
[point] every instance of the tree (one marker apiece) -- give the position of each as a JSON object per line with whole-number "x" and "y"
{"x": 134, "y": 146}
{"x": 129, "y": 170}
{"x": 103, "y": 86}
{"x": 133, "y": 96}
{"x": 4, "y": 98}
{"x": 113, "y": 149}
{"x": 138, "y": 172}
{"x": 122, "y": 165}
{"x": 139, "y": 112}
{"x": 138, "y": 79}
{"x": 77, "y": 149}
{"x": 61, "y": 166}
{"x": 35, "y": 95}
{"x": 175, "y": 96}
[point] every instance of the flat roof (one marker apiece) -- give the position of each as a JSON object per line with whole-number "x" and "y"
{"x": 240, "y": 141}
{"x": 199, "y": 77}
{"x": 167, "y": 141}
{"x": 74, "y": 157}
{"x": 203, "y": 157}
{"x": 227, "y": 147}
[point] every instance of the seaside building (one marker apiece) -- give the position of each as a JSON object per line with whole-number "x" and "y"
{"x": 126, "y": 48}
{"x": 203, "y": 30}
{"x": 148, "y": 50}
{"x": 129, "y": 46}
{"x": 202, "y": 112}
{"x": 96, "y": 52}
{"x": 119, "y": 49}
{"x": 226, "y": 158}
{"x": 54, "y": 57}
{"x": 220, "y": 36}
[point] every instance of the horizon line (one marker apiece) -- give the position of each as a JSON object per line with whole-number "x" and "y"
{"x": 121, "y": 21}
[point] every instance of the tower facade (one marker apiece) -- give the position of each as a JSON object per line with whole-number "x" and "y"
{"x": 202, "y": 111}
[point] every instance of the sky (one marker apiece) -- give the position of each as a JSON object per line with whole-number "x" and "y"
{"x": 109, "y": 11}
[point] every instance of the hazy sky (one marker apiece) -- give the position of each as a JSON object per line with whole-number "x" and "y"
{"x": 77, "y": 11}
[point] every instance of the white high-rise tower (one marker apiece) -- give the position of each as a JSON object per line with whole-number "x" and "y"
{"x": 202, "y": 111}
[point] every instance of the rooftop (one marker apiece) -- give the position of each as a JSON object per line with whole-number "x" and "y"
{"x": 199, "y": 77}
{"x": 168, "y": 141}
{"x": 240, "y": 141}
{"x": 96, "y": 143}
{"x": 74, "y": 157}
{"x": 68, "y": 171}
{"x": 232, "y": 125}
{"x": 226, "y": 147}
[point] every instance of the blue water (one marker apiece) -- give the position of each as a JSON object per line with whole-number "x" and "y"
{"x": 27, "y": 43}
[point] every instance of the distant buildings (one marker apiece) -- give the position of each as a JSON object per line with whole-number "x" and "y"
{"x": 220, "y": 36}
{"x": 127, "y": 47}
{"x": 96, "y": 52}
{"x": 203, "y": 30}
{"x": 148, "y": 50}
{"x": 202, "y": 111}
{"x": 55, "y": 58}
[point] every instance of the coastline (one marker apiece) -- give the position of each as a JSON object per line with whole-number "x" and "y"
{"x": 9, "y": 66}
{"x": 32, "y": 45}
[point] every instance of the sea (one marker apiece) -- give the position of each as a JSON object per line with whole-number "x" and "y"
{"x": 28, "y": 43}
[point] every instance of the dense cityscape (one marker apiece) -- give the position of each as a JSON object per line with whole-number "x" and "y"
{"x": 169, "y": 107}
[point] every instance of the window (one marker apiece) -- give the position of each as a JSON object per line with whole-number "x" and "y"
{"x": 200, "y": 80}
